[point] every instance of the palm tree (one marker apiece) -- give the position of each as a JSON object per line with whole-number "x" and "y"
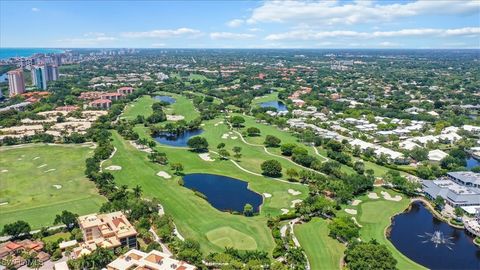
{"x": 137, "y": 191}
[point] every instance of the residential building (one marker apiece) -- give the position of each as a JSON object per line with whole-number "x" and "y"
{"x": 109, "y": 230}
{"x": 154, "y": 260}
{"x": 436, "y": 155}
{"x": 16, "y": 82}
{"x": 126, "y": 90}
{"x": 42, "y": 74}
{"x": 112, "y": 96}
{"x": 12, "y": 250}
{"x": 101, "y": 104}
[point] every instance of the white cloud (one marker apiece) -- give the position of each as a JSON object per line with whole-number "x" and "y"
{"x": 388, "y": 44}
{"x": 159, "y": 45}
{"x": 336, "y": 12}
{"x": 255, "y": 29}
{"x": 34, "y": 9}
{"x": 229, "y": 35}
{"x": 305, "y": 34}
{"x": 88, "y": 39}
{"x": 235, "y": 23}
{"x": 163, "y": 33}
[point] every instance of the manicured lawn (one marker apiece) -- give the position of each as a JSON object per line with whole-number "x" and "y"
{"x": 141, "y": 106}
{"x": 194, "y": 216}
{"x": 270, "y": 97}
{"x": 39, "y": 181}
{"x": 182, "y": 106}
{"x": 323, "y": 252}
{"x": 374, "y": 216}
{"x": 54, "y": 237}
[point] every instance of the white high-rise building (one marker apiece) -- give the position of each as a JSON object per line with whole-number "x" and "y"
{"x": 16, "y": 82}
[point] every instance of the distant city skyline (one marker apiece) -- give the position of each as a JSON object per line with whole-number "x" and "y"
{"x": 240, "y": 24}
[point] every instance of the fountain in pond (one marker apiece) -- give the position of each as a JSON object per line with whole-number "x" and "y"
{"x": 438, "y": 238}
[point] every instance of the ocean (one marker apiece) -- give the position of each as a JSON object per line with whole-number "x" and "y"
{"x": 6, "y": 53}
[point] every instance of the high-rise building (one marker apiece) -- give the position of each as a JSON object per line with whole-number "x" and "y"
{"x": 42, "y": 74}
{"x": 16, "y": 82}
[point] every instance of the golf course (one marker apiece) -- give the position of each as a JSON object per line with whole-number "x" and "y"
{"x": 39, "y": 181}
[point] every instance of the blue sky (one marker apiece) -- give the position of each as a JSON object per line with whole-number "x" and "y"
{"x": 241, "y": 24}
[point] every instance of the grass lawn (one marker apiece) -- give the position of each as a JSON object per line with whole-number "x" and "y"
{"x": 182, "y": 106}
{"x": 54, "y": 237}
{"x": 141, "y": 106}
{"x": 270, "y": 97}
{"x": 374, "y": 216}
{"x": 323, "y": 252}
{"x": 39, "y": 181}
{"x": 194, "y": 216}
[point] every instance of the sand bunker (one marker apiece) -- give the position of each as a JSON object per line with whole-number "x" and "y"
{"x": 141, "y": 147}
{"x": 113, "y": 168}
{"x": 356, "y": 222}
{"x": 267, "y": 195}
{"x": 4, "y": 171}
{"x": 284, "y": 211}
{"x": 295, "y": 202}
{"x": 205, "y": 157}
{"x": 356, "y": 202}
{"x": 41, "y": 166}
{"x": 388, "y": 197}
{"x": 218, "y": 123}
{"x": 373, "y": 196}
{"x": 51, "y": 170}
{"x": 3, "y": 203}
{"x": 35, "y": 158}
{"x": 225, "y": 136}
{"x": 164, "y": 174}
{"x": 351, "y": 211}
{"x": 57, "y": 186}
{"x": 19, "y": 159}
{"x": 294, "y": 192}
{"x": 234, "y": 137}
{"x": 175, "y": 117}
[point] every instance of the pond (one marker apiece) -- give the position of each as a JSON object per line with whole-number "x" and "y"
{"x": 168, "y": 99}
{"x": 275, "y": 104}
{"x": 413, "y": 234}
{"x": 224, "y": 193}
{"x": 179, "y": 140}
{"x": 472, "y": 162}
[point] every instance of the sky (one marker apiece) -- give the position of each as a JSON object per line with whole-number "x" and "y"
{"x": 420, "y": 24}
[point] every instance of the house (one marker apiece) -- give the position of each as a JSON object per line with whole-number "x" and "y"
{"x": 472, "y": 129}
{"x": 436, "y": 155}
{"x": 90, "y": 95}
{"x": 101, "y": 104}
{"x": 154, "y": 260}
{"x": 11, "y": 250}
{"x": 109, "y": 230}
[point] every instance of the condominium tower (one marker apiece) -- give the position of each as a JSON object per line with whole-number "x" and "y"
{"x": 42, "y": 74}
{"x": 16, "y": 82}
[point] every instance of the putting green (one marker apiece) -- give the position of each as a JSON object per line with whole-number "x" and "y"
{"x": 229, "y": 237}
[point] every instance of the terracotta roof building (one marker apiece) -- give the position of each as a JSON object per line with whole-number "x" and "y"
{"x": 126, "y": 90}
{"x": 101, "y": 104}
{"x": 154, "y": 260}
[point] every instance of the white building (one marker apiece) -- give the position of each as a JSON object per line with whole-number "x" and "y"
{"x": 436, "y": 155}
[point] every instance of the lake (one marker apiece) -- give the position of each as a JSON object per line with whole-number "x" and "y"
{"x": 411, "y": 233}
{"x": 275, "y": 104}
{"x": 179, "y": 140}
{"x": 224, "y": 193}
{"x": 168, "y": 99}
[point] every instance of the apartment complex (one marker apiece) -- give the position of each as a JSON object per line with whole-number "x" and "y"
{"x": 154, "y": 260}
{"x": 109, "y": 230}
{"x": 16, "y": 82}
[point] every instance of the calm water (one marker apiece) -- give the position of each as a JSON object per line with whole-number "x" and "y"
{"x": 168, "y": 99}
{"x": 3, "y": 77}
{"x": 275, "y": 104}
{"x": 177, "y": 139}
{"x": 6, "y": 53}
{"x": 409, "y": 226}
{"x": 223, "y": 193}
{"x": 471, "y": 162}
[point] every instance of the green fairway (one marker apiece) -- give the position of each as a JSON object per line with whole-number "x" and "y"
{"x": 323, "y": 252}
{"x": 182, "y": 106}
{"x": 194, "y": 216}
{"x": 375, "y": 216}
{"x": 141, "y": 106}
{"x": 229, "y": 237}
{"x": 39, "y": 181}
{"x": 270, "y": 97}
